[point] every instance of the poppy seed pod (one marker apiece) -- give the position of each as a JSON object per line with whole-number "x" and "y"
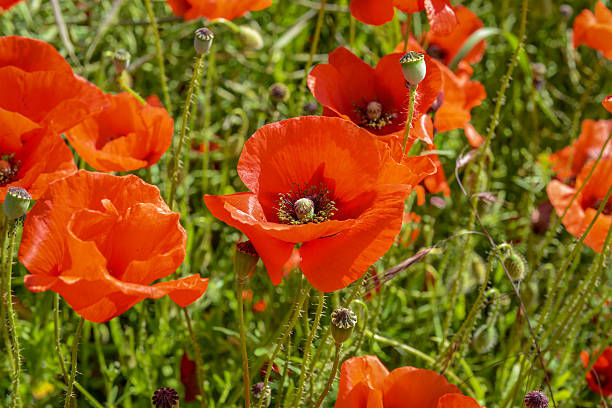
{"x": 343, "y": 322}
{"x": 16, "y": 203}
{"x": 245, "y": 259}
{"x": 165, "y": 397}
{"x": 250, "y": 38}
{"x": 374, "y": 110}
{"x": 304, "y": 208}
{"x": 536, "y": 399}
{"x": 413, "y": 67}
{"x": 121, "y": 60}
{"x": 202, "y": 40}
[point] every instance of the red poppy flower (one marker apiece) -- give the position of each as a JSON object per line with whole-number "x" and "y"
{"x": 215, "y": 9}
{"x": 100, "y": 241}
{"x": 7, "y": 4}
{"x": 373, "y": 98}
{"x": 568, "y": 161}
{"x": 440, "y": 13}
{"x": 126, "y": 135}
{"x": 594, "y": 30}
{"x": 327, "y": 184}
{"x": 366, "y": 382}
{"x": 39, "y": 85}
{"x": 607, "y": 103}
{"x": 599, "y": 379}
{"x": 189, "y": 378}
{"x": 260, "y": 306}
{"x": 583, "y": 209}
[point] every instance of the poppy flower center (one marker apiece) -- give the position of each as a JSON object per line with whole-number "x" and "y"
{"x": 8, "y": 169}
{"x": 434, "y": 51}
{"x": 607, "y": 210}
{"x": 303, "y": 205}
{"x": 374, "y": 115}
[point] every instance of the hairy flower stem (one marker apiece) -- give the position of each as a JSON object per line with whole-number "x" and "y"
{"x": 160, "y": 56}
{"x": 56, "y": 337}
{"x": 332, "y": 375}
{"x": 313, "y": 49}
{"x": 240, "y": 284}
{"x": 198, "y": 356}
{"x": 313, "y": 332}
{"x": 75, "y": 349}
{"x": 210, "y": 69}
{"x": 412, "y": 98}
{"x": 3, "y": 299}
{"x": 174, "y": 176}
{"x": 290, "y": 325}
{"x": 124, "y": 83}
{"x": 7, "y": 294}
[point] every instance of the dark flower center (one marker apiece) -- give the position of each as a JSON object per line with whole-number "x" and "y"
{"x": 374, "y": 116}
{"x": 607, "y": 210}
{"x": 165, "y": 398}
{"x": 9, "y": 167}
{"x": 434, "y": 51}
{"x": 303, "y": 205}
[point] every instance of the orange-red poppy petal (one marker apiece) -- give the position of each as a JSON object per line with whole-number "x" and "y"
{"x": 7, "y": 4}
{"x": 607, "y": 103}
{"x": 372, "y": 12}
{"x": 412, "y": 387}
{"x": 440, "y": 13}
{"x": 216, "y": 9}
{"x": 594, "y": 30}
{"x": 457, "y": 401}
{"x": 31, "y": 55}
{"x": 358, "y": 377}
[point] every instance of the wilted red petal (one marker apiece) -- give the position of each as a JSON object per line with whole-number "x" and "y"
{"x": 189, "y": 378}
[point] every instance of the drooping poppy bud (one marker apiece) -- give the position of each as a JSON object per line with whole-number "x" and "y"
{"x": 16, "y": 203}
{"x": 343, "y": 322}
{"x": 165, "y": 397}
{"x": 202, "y": 40}
{"x": 279, "y": 92}
{"x": 310, "y": 108}
{"x": 121, "y": 60}
{"x": 485, "y": 338}
{"x": 245, "y": 259}
{"x": 250, "y": 38}
{"x": 516, "y": 264}
{"x": 413, "y": 67}
{"x": 536, "y": 399}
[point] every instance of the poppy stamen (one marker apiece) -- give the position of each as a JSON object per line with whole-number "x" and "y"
{"x": 374, "y": 116}
{"x": 9, "y": 168}
{"x": 303, "y": 205}
{"x": 607, "y": 210}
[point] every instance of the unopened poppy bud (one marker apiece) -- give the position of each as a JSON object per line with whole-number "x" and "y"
{"x": 257, "y": 390}
{"x": 343, "y": 322}
{"x": 485, "y": 338}
{"x": 310, "y": 108}
{"x": 121, "y": 60}
{"x": 245, "y": 259}
{"x": 250, "y": 38}
{"x": 165, "y": 397}
{"x": 304, "y": 208}
{"x": 279, "y": 92}
{"x": 374, "y": 110}
{"x": 516, "y": 264}
{"x": 413, "y": 67}
{"x": 16, "y": 203}
{"x": 202, "y": 40}
{"x": 536, "y": 399}
{"x": 566, "y": 11}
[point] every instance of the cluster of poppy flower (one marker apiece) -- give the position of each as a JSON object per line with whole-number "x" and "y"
{"x": 88, "y": 231}
{"x": 573, "y": 192}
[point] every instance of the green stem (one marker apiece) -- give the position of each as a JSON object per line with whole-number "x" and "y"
{"x": 75, "y": 349}
{"x": 94, "y": 402}
{"x": 3, "y": 297}
{"x": 12, "y": 318}
{"x": 207, "y": 117}
{"x": 243, "y": 346}
{"x": 294, "y": 318}
{"x": 412, "y": 89}
{"x": 160, "y": 56}
{"x": 186, "y": 110}
{"x": 198, "y": 355}
{"x": 332, "y": 376}
{"x": 56, "y": 335}
{"x": 313, "y": 332}
{"x": 123, "y": 82}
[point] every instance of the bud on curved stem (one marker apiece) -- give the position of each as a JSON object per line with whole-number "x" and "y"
{"x": 202, "y": 40}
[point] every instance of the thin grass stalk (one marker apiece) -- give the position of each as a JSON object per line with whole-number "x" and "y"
{"x": 198, "y": 356}
{"x": 160, "y": 56}
{"x": 243, "y": 347}
{"x": 279, "y": 400}
{"x": 207, "y": 118}
{"x": 309, "y": 341}
{"x": 56, "y": 337}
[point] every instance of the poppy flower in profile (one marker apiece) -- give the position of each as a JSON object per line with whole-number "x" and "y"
{"x": 374, "y": 98}
{"x": 327, "y": 184}
{"x": 594, "y": 30}
{"x": 100, "y": 241}
{"x": 365, "y": 381}
{"x": 126, "y": 135}
{"x": 568, "y": 161}
{"x": 607, "y": 103}
{"x": 440, "y": 13}
{"x": 38, "y": 84}
{"x": 215, "y": 9}
{"x": 583, "y": 209}
{"x": 7, "y": 4}
{"x": 599, "y": 379}
{"x": 189, "y": 378}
